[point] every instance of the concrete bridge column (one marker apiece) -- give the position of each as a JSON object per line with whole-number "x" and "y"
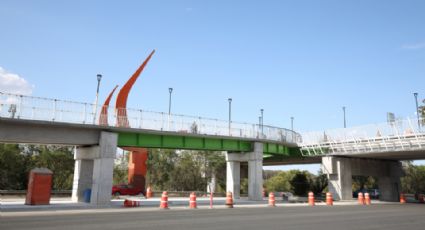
{"x": 94, "y": 170}
{"x": 255, "y": 172}
{"x": 339, "y": 174}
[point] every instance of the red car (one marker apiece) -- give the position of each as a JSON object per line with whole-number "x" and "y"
{"x": 124, "y": 189}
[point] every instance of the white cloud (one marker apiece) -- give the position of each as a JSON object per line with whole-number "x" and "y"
{"x": 13, "y": 83}
{"x": 414, "y": 46}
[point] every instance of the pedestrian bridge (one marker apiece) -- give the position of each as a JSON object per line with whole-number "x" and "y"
{"x": 397, "y": 140}
{"x": 143, "y": 128}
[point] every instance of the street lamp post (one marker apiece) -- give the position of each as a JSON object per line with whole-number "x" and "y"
{"x": 99, "y": 77}
{"x": 292, "y": 128}
{"x": 345, "y": 121}
{"x": 170, "y": 90}
{"x": 230, "y": 115}
{"x": 262, "y": 121}
{"x": 417, "y": 109}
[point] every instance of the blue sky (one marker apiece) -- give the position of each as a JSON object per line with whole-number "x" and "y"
{"x": 303, "y": 58}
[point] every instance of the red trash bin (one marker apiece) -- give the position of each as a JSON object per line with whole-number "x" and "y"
{"x": 39, "y": 187}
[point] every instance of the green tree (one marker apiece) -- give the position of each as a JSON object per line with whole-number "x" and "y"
{"x": 318, "y": 183}
{"x": 413, "y": 181}
{"x": 300, "y": 183}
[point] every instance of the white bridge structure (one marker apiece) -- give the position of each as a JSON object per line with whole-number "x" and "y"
{"x": 399, "y": 139}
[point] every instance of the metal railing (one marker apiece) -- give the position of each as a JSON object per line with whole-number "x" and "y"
{"x": 46, "y": 109}
{"x": 399, "y": 135}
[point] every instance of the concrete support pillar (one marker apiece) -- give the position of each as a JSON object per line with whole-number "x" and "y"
{"x": 233, "y": 177}
{"x": 338, "y": 170}
{"x": 389, "y": 182}
{"x": 94, "y": 170}
{"x": 255, "y": 172}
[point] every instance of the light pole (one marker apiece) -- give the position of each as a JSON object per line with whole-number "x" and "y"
{"x": 417, "y": 109}
{"x": 99, "y": 77}
{"x": 345, "y": 121}
{"x": 170, "y": 90}
{"x": 262, "y": 121}
{"x": 292, "y": 128}
{"x": 230, "y": 115}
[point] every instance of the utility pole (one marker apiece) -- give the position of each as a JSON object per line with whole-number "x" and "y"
{"x": 99, "y": 77}
{"x": 230, "y": 115}
{"x": 345, "y": 121}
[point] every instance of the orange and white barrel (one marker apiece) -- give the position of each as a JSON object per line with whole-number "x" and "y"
{"x": 360, "y": 198}
{"x": 311, "y": 198}
{"x": 149, "y": 192}
{"x": 329, "y": 199}
{"x": 164, "y": 200}
{"x": 367, "y": 199}
{"x": 402, "y": 198}
{"x": 192, "y": 200}
{"x": 272, "y": 200}
{"x": 229, "y": 200}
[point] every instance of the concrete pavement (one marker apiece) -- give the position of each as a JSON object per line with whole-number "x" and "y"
{"x": 378, "y": 216}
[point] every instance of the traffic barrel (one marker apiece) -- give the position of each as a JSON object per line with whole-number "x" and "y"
{"x": 272, "y": 200}
{"x": 402, "y": 198}
{"x": 229, "y": 200}
{"x": 192, "y": 200}
{"x": 367, "y": 199}
{"x": 164, "y": 200}
{"x": 329, "y": 199}
{"x": 311, "y": 198}
{"x": 149, "y": 192}
{"x": 421, "y": 198}
{"x": 360, "y": 198}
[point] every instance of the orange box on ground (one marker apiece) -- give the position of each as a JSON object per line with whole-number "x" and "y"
{"x": 39, "y": 187}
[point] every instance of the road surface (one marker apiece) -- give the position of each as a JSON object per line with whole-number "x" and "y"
{"x": 386, "y": 216}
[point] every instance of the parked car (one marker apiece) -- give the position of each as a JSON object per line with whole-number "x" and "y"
{"x": 125, "y": 189}
{"x": 373, "y": 193}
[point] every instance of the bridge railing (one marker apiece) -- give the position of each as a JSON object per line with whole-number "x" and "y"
{"x": 46, "y": 109}
{"x": 405, "y": 134}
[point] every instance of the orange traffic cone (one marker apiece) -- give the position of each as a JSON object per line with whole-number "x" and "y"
{"x": 272, "y": 201}
{"x": 192, "y": 200}
{"x": 311, "y": 198}
{"x": 149, "y": 192}
{"x": 229, "y": 200}
{"x": 402, "y": 198}
{"x": 164, "y": 200}
{"x": 329, "y": 199}
{"x": 367, "y": 199}
{"x": 360, "y": 198}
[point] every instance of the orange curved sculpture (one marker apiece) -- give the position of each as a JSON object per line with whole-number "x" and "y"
{"x": 103, "y": 118}
{"x": 121, "y": 104}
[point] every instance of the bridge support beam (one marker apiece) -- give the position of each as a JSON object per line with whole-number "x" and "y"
{"x": 94, "y": 170}
{"x": 341, "y": 169}
{"x": 255, "y": 172}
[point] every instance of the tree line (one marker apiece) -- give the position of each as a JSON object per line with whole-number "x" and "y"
{"x": 175, "y": 171}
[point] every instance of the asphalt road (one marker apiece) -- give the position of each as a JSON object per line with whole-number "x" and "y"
{"x": 389, "y": 216}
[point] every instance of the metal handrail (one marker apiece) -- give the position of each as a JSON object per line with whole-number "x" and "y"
{"x": 47, "y": 109}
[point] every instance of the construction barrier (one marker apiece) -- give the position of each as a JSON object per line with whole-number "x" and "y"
{"x": 149, "y": 192}
{"x": 311, "y": 198}
{"x": 131, "y": 203}
{"x": 402, "y": 198}
{"x": 329, "y": 199}
{"x": 192, "y": 200}
{"x": 272, "y": 200}
{"x": 360, "y": 198}
{"x": 367, "y": 199}
{"x": 229, "y": 200}
{"x": 164, "y": 200}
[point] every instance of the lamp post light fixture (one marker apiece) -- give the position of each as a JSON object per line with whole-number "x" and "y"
{"x": 345, "y": 121}
{"x": 230, "y": 115}
{"x": 417, "y": 109}
{"x": 99, "y": 78}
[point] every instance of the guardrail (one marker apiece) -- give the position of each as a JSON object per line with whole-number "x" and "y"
{"x": 54, "y": 110}
{"x": 398, "y": 135}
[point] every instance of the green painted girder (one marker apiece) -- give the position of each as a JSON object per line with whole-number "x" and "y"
{"x": 169, "y": 141}
{"x": 146, "y": 140}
